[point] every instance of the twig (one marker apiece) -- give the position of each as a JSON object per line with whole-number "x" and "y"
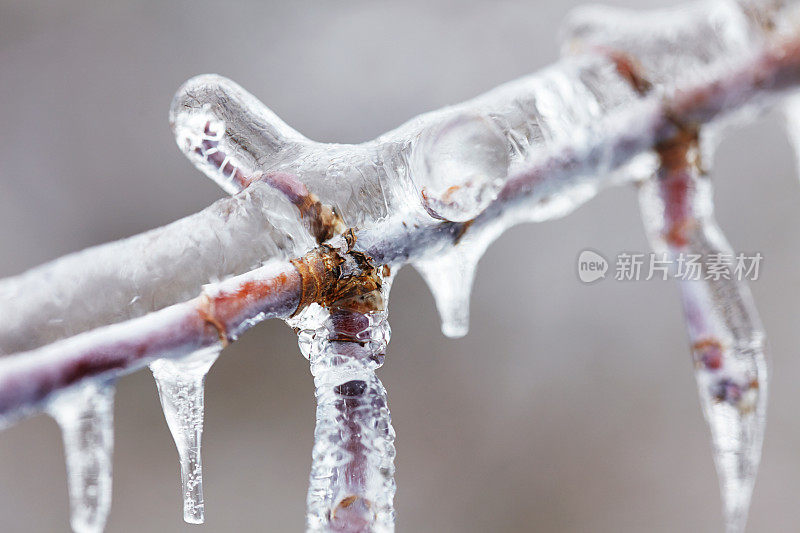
{"x": 228, "y": 307}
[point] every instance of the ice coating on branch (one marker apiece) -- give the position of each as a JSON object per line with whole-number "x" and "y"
{"x": 352, "y": 475}
{"x": 728, "y": 345}
{"x": 238, "y": 138}
{"x": 86, "y": 417}
{"x": 569, "y": 109}
{"x": 450, "y": 162}
{"x": 362, "y": 183}
{"x": 460, "y": 167}
{"x": 670, "y": 46}
{"x": 568, "y": 131}
{"x": 586, "y": 111}
{"x": 200, "y": 136}
{"x": 181, "y": 385}
{"x": 227, "y": 132}
{"x": 351, "y": 486}
{"x": 149, "y": 271}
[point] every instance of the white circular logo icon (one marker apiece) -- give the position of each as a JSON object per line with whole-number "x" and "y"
{"x": 591, "y": 266}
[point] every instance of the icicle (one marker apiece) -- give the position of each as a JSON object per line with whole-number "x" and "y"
{"x": 449, "y": 278}
{"x": 181, "y": 389}
{"x": 86, "y": 417}
{"x": 791, "y": 115}
{"x": 724, "y": 330}
{"x": 351, "y": 486}
{"x": 450, "y": 274}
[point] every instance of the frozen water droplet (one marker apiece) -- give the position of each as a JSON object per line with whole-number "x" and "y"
{"x": 181, "y": 390}
{"x": 449, "y": 278}
{"x": 460, "y": 167}
{"x": 86, "y": 417}
{"x": 450, "y": 274}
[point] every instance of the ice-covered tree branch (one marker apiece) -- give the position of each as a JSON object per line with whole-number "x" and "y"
{"x": 165, "y": 266}
{"x": 324, "y": 226}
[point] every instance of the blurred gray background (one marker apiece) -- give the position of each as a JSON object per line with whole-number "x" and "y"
{"x": 568, "y": 408}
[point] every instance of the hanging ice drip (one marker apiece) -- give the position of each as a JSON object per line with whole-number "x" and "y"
{"x": 181, "y": 386}
{"x": 86, "y": 417}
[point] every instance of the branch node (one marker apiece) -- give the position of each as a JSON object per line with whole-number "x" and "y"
{"x": 206, "y": 311}
{"x": 340, "y": 279}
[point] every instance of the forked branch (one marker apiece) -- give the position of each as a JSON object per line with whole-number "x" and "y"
{"x": 314, "y": 232}
{"x": 274, "y": 290}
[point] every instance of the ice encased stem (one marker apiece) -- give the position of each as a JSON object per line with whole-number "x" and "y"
{"x": 728, "y": 344}
{"x": 351, "y": 486}
{"x": 791, "y": 116}
{"x": 452, "y": 162}
{"x": 181, "y": 385}
{"x": 86, "y": 417}
{"x": 669, "y": 45}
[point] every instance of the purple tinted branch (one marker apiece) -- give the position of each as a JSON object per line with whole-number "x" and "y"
{"x": 218, "y": 315}
{"x": 727, "y": 341}
{"x": 351, "y": 485}
{"x": 542, "y": 176}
